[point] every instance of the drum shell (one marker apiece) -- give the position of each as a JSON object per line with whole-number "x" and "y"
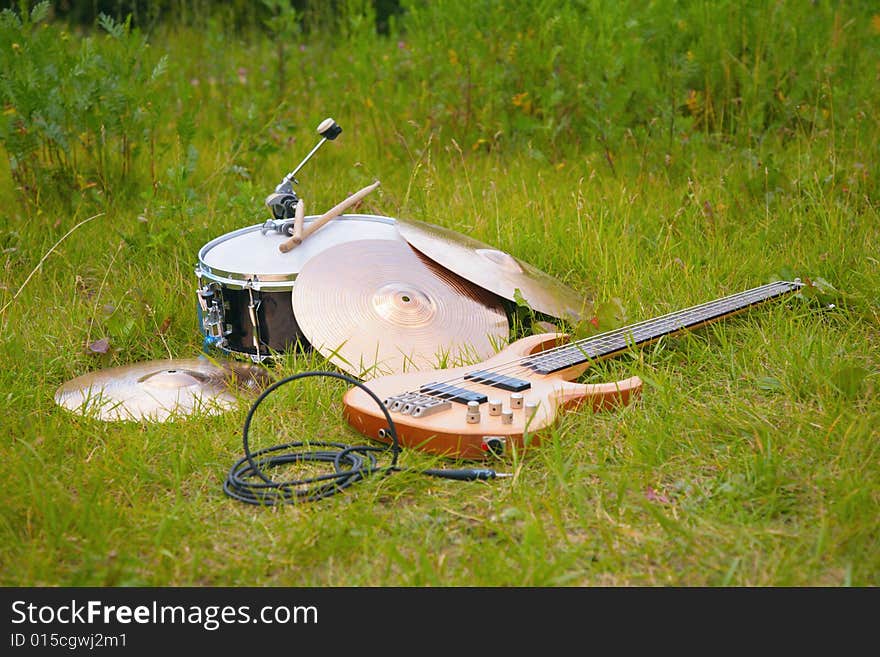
{"x": 277, "y": 325}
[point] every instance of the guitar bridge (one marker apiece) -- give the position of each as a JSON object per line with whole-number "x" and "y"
{"x": 416, "y": 404}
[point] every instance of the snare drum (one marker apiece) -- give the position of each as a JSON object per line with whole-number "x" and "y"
{"x": 245, "y": 299}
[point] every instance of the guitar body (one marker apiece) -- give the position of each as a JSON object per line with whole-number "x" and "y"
{"x": 448, "y": 433}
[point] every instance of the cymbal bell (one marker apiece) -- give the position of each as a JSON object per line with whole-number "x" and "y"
{"x": 159, "y": 390}
{"x": 494, "y": 270}
{"x": 374, "y": 307}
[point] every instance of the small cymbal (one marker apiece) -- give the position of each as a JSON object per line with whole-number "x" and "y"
{"x": 374, "y": 307}
{"x": 494, "y": 270}
{"x": 159, "y": 390}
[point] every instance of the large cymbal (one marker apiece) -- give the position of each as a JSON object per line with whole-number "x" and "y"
{"x": 374, "y": 307}
{"x": 494, "y": 270}
{"x": 159, "y": 390}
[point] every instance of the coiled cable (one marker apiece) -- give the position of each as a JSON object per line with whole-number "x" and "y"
{"x": 247, "y": 480}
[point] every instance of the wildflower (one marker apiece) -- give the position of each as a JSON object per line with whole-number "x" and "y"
{"x": 522, "y": 101}
{"x": 655, "y": 496}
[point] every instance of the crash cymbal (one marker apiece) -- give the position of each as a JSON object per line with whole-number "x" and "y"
{"x": 494, "y": 270}
{"x": 159, "y": 390}
{"x": 374, "y": 307}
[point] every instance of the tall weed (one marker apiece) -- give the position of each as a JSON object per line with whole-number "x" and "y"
{"x": 77, "y": 111}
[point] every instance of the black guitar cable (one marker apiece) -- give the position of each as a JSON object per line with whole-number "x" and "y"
{"x": 247, "y": 481}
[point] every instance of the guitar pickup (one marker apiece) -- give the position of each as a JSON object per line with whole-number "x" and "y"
{"x": 498, "y": 381}
{"x": 453, "y": 393}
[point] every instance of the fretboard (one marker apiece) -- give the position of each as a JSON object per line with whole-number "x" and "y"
{"x": 606, "y": 344}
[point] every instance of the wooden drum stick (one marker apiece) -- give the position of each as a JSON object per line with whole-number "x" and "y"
{"x": 337, "y": 210}
{"x": 299, "y": 218}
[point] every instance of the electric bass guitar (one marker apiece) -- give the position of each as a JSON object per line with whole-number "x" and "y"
{"x": 472, "y": 411}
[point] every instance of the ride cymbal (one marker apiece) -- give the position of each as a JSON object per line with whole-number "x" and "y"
{"x": 494, "y": 270}
{"x": 374, "y": 307}
{"x": 159, "y": 390}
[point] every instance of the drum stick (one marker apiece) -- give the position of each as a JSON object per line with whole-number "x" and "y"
{"x": 299, "y": 217}
{"x": 338, "y": 209}
{"x": 289, "y": 244}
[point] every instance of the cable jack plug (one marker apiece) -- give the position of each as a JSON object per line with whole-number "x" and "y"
{"x": 467, "y": 474}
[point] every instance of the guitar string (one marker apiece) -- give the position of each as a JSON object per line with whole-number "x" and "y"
{"x": 577, "y": 353}
{"x": 754, "y": 295}
{"x": 660, "y": 326}
{"x": 608, "y": 338}
{"x": 744, "y": 300}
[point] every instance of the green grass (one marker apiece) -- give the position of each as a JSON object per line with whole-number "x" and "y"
{"x": 751, "y": 457}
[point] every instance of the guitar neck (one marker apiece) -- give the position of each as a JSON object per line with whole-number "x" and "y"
{"x": 612, "y": 342}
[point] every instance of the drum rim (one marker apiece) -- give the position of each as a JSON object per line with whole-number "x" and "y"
{"x": 279, "y": 282}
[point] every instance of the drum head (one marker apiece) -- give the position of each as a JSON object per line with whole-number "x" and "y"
{"x": 250, "y": 254}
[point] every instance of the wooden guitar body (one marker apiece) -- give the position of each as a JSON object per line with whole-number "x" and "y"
{"x": 448, "y": 433}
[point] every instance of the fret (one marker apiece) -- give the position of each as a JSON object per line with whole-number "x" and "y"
{"x": 614, "y": 341}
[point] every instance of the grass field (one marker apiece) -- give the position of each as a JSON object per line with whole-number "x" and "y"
{"x": 652, "y": 158}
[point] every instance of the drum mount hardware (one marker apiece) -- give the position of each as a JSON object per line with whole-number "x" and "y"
{"x": 282, "y": 202}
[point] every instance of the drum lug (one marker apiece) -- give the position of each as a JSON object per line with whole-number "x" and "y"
{"x": 253, "y": 306}
{"x": 282, "y": 226}
{"x": 271, "y": 225}
{"x": 213, "y": 320}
